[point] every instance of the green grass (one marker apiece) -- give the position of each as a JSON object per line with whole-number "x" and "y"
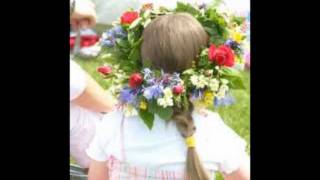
{"x": 237, "y": 116}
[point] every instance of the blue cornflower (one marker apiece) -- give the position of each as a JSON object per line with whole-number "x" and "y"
{"x": 203, "y": 5}
{"x": 127, "y": 96}
{"x": 119, "y": 32}
{"x": 149, "y": 76}
{"x": 108, "y": 42}
{"x": 109, "y": 37}
{"x": 229, "y": 42}
{"x": 111, "y": 34}
{"x": 233, "y": 45}
{"x": 153, "y": 92}
{"x": 226, "y": 101}
{"x": 175, "y": 79}
{"x": 151, "y": 81}
{"x": 196, "y": 94}
{"x": 147, "y": 73}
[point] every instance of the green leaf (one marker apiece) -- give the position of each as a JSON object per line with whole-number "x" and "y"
{"x": 178, "y": 100}
{"x": 147, "y": 22}
{"x": 203, "y": 60}
{"x": 229, "y": 72}
{"x": 233, "y": 76}
{"x": 147, "y": 117}
{"x": 147, "y": 64}
{"x": 182, "y": 7}
{"x": 137, "y": 43}
{"x": 236, "y": 83}
{"x": 131, "y": 37}
{"x": 146, "y": 14}
{"x": 189, "y": 71}
{"x": 209, "y": 30}
{"x": 134, "y": 55}
{"x": 135, "y": 23}
{"x": 152, "y": 106}
{"x": 216, "y": 18}
{"x": 185, "y": 101}
{"x": 157, "y": 72}
{"x": 106, "y": 55}
{"x": 165, "y": 113}
{"x": 237, "y": 19}
{"x": 123, "y": 43}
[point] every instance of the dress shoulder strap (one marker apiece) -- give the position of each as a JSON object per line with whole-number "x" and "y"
{"x": 122, "y": 148}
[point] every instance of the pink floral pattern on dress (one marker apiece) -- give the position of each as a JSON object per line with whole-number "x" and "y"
{"x": 121, "y": 171}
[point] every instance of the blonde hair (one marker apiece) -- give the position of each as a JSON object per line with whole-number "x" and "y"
{"x": 171, "y": 43}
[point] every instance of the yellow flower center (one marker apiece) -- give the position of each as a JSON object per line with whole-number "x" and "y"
{"x": 143, "y": 105}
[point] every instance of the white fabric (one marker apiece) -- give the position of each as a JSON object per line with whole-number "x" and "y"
{"x": 82, "y": 129}
{"x": 77, "y": 80}
{"x": 82, "y": 121}
{"x": 219, "y": 147}
{"x": 237, "y": 6}
{"x": 110, "y": 10}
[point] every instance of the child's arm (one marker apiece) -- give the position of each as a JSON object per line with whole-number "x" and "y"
{"x": 242, "y": 173}
{"x": 98, "y": 170}
{"x": 94, "y": 97}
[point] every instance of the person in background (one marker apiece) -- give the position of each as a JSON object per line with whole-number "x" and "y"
{"x": 82, "y": 14}
{"x": 88, "y": 100}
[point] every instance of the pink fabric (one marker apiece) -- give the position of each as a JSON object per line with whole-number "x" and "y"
{"x": 121, "y": 171}
{"x": 118, "y": 170}
{"x": 247, "y": 58}
{"x": 83, "y": 124}
{"x": 79, "y": 142}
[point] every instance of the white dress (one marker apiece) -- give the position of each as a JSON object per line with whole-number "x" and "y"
{"x": 162, "y": 149}
{"x": 82, "y": 121}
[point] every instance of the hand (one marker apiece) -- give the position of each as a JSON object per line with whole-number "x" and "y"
{"x": 84, "y": 15}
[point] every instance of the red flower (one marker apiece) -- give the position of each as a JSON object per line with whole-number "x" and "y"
{"x": 222, "y": 55}
{"x": 129, "y": 17}
{"x": 71, "y": 42}
{"x": 135, "y": 80}
{"x": 105, "y": 70}
{"x": 178, "y": 89}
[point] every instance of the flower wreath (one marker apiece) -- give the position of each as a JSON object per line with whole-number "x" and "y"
{"x": 147, "y": 92}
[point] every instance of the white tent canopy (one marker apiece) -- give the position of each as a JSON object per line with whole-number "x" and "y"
{"x": 109, "y": 10}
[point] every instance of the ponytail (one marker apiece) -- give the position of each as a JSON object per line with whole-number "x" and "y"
{"x": 185, "y": 125}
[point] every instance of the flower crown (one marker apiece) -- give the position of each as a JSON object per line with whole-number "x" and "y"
{"x": 147, "y": 92}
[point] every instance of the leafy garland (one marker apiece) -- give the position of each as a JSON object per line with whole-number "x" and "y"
{"x": 147, "y": 92}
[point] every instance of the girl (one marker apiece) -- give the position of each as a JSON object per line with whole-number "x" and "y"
{"x": 87, "y": 98}
{"x": 124, "y": 148}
